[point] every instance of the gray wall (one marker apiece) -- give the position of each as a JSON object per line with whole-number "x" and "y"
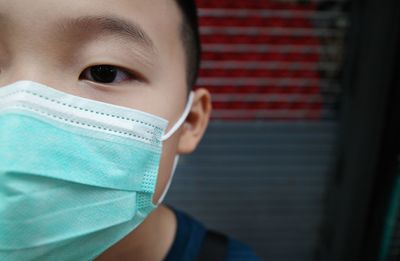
{"x": 263, "y": 183}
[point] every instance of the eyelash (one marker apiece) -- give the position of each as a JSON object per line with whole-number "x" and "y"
{"x": 127, "y": 75}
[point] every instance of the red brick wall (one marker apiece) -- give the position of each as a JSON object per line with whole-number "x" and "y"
{"x": 261, "y": 59}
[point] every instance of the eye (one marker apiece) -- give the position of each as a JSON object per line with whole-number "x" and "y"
{"x": 106, "y": 74}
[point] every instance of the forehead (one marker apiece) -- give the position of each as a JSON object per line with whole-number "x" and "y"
{"x": 158, "y": 19}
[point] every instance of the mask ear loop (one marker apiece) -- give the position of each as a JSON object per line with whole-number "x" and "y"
{"x": 181, "y": 120}
{"x": 176, "y": 126}
{"x": 176, "y": 160}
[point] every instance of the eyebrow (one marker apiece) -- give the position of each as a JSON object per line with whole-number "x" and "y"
{"x": 110, "y": 25}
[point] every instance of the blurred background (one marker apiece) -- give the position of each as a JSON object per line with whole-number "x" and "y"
{"x": 300, "y": 159}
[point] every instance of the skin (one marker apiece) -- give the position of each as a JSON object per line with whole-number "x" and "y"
{"x": 37, "y": 43}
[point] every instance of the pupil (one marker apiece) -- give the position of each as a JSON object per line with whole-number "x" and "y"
{"x": 103, "y": 73}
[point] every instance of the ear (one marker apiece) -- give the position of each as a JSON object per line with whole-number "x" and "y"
{"x": 196, "y": 123}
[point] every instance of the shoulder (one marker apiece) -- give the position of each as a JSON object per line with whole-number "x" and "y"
{"x": 237, "y": 251}
{"x": 190, "y": 237}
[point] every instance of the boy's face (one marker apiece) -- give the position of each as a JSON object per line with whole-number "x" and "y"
{"x": 61, "y": 43}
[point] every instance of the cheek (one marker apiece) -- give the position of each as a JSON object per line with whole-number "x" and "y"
{"x": 166, "y": 164}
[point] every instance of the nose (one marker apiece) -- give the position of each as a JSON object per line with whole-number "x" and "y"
{"x": 38, "y": 69}
{"x": 29, "y": 68}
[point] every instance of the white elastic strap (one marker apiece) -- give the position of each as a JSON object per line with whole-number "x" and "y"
{"x": 171, "y": 132}
{"x": 166, "y": 189}
{"x": 181, "y": 120}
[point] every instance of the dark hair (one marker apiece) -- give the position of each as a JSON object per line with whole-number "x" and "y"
{"x": 191, "y": 39}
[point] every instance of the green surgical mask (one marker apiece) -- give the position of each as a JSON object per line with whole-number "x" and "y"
{"x": 76, "y": 175}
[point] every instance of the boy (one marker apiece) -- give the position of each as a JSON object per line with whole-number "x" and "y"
{"x": 94, "y": 105}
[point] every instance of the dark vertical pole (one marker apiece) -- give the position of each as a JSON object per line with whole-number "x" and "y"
{"x": 366, "y": 156}
{"x": 387, "y": 173}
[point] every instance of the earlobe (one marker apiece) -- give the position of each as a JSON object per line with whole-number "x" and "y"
{"x": 196, "y": 123}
